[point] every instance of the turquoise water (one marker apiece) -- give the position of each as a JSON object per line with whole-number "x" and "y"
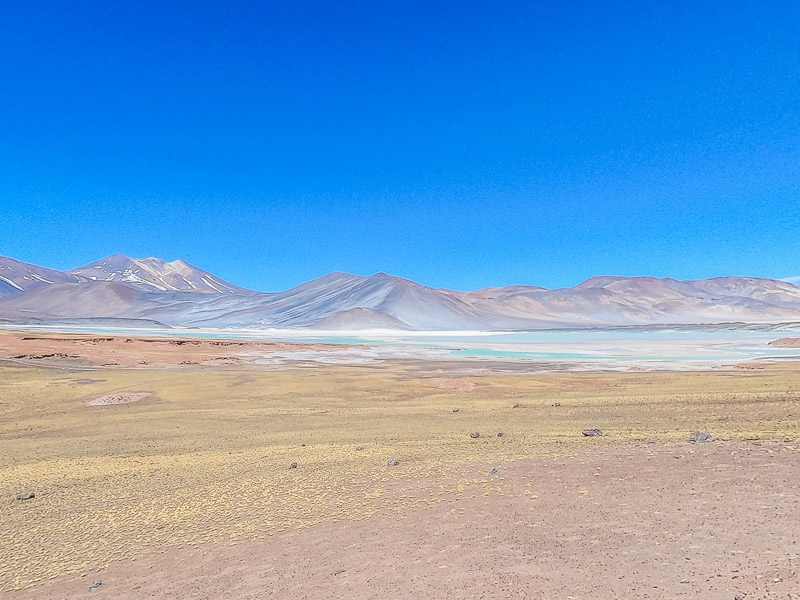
{"x": 683, "y": 344}
{"x": 519, "y": 355}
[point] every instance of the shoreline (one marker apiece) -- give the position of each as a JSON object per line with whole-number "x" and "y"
{"x": 508, "y": 352}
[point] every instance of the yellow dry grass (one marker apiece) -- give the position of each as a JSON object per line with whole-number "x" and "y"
{"x": 207, "y": 460}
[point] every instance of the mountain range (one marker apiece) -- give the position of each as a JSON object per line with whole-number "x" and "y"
{"x": 152, "y": 292}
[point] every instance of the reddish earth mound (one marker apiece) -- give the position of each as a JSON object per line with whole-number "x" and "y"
{"x": 786, "y": 343}
{"x": 124, "y": 351}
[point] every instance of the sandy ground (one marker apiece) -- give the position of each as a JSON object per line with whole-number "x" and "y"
{"x": 786, "y": 343}
{"x": 58, "y": 350}
{"x": 189, "y": 492}
{"x": 717, "y": 521}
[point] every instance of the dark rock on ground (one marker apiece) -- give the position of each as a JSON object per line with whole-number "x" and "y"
{"x": 592, "y": 432}
{"x": 496, "y": 470}
{"x": 501, "y": 434}
{"x": 293, "y": 465}
{"x": 393, "y": 462}
{"x": 28, "y": 496}
{"x": 455, "y": 410}
{"x": 474, "y": 435}
{"x": 698, "y": 437}
{"x": 95, "y": 585}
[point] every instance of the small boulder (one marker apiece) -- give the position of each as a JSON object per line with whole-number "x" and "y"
{"x": 95, "y": 585}
{"x": 293, "y": 465}
{"x": 501, "y": 434}
{"x": 455, "y": 410}
{"x": 699, "y": 437}
{"x": 592, "y": 432}
{"x": 474, "y": 435}
{"x": 393, "y": 462}
{"x": 496, "y": 470}
{"x": 28, "y": 496}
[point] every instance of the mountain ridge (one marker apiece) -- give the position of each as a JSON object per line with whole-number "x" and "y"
{"x": 160, "y": 275}
{"x": 179, "y": 294}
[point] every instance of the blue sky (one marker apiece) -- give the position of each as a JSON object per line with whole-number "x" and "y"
{"x": 461, "y": 145}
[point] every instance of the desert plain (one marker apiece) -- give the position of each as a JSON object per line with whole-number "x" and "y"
{"x": 141, "y": 468}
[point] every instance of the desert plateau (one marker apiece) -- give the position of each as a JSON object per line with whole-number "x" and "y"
{"x": 152, "y": 468}
{"x": 400, "y": 301}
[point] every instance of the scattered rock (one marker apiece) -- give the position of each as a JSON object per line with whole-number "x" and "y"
{"x": 95, "y": 585}
{"x": 698, "y": 437}
{"x": 122, "y": 398}
{"x": 474, "y": 435}
{"x": 359, "y": 448}
{"x": 515, "y": 406}
{"x": 592, "y": 432}
{"x": 455, "y": 410}
{"x": 393, "y": 462}
{"x": 28, "y": 496}
{"x": 496, "y": 470}
{"x": 41, "y": 356}
{"x": 557, "y": 404}
{"x": 501, "y": 434}
{"x": 293, "y": 465}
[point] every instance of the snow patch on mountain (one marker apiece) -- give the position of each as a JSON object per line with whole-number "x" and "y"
{"x": 178, "y": 294}
{"x": 155, "y": 274}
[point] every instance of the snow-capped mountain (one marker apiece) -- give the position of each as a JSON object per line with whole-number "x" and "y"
{"x": 16, "y": 276}
{"x": 154, "y": 274}
{"x": 177, "y": 294}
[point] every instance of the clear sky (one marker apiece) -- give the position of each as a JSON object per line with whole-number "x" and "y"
{"x": 458, "y": 144}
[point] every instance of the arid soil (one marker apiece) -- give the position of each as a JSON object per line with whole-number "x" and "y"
{"x": 90, "y": 350}
{"x": 716, "y": 521}
{"x": 786, "y": 343}
{"x": 237, "y": 481}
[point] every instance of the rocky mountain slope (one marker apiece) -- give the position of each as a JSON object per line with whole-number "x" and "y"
{"x": 153, "y": 274}
{"x": 178, "y": 294}
{"x": 16, "y": 276}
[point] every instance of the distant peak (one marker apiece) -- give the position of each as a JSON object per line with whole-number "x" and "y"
{"x": 335, "y": 276}
{"x": 117, "y": 256}
{"x": 382, "y": 276}
{"x": 606, "y": 280}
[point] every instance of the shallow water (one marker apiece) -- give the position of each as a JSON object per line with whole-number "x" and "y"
{"x": 621, "y": 347}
